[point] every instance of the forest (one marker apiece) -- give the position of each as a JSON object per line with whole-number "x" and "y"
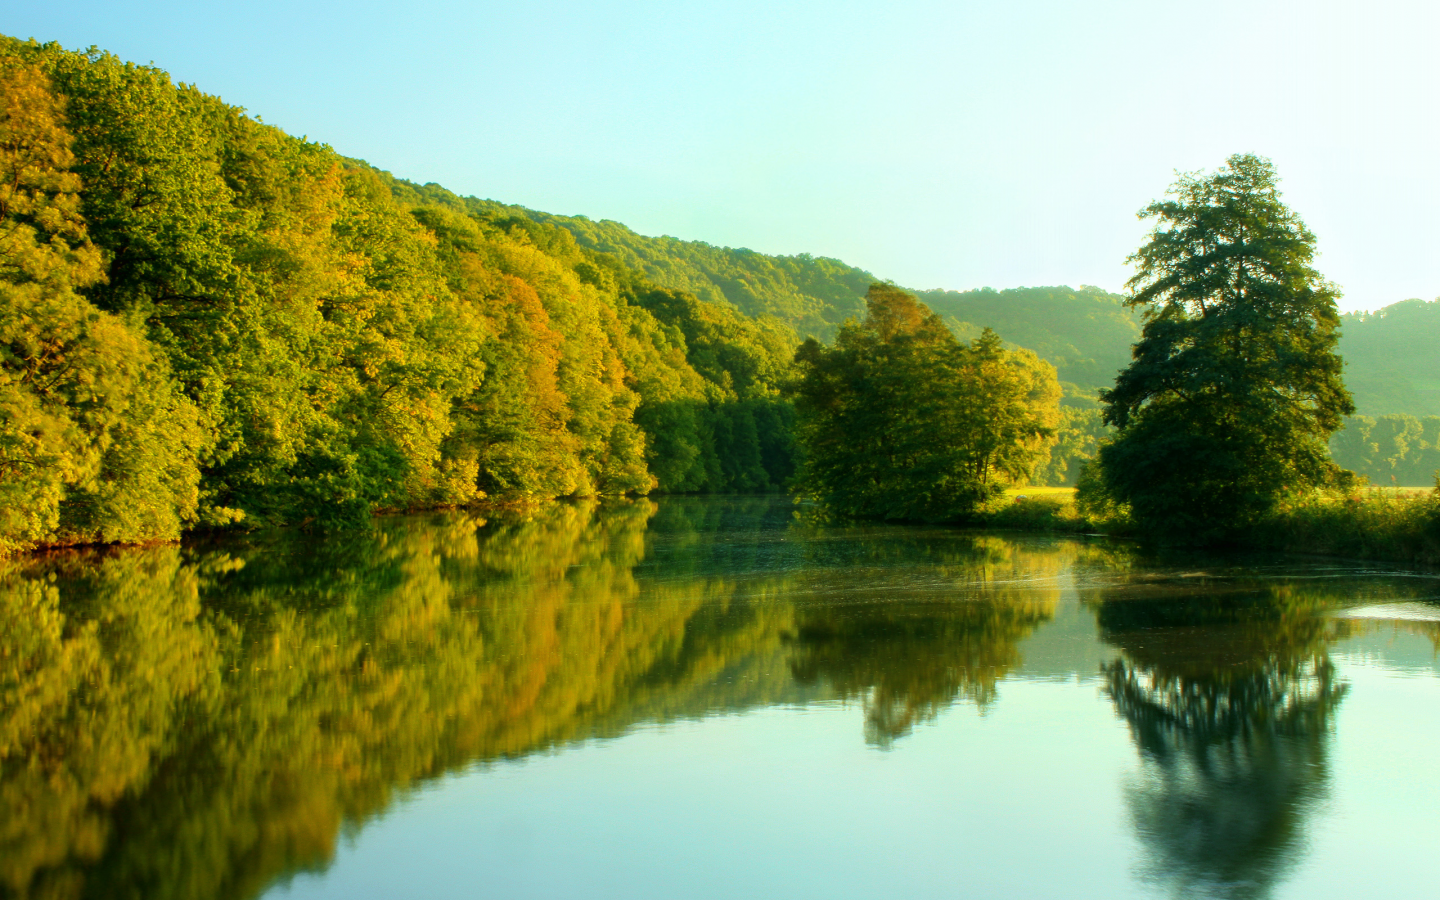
{"x": 208, "y": 322}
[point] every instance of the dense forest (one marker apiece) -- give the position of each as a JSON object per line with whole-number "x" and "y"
{"x": 206, "y": 320}
{"x": 1086, "y": 333}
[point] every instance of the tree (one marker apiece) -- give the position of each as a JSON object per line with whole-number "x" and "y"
{"x": 900, "y": 421}
{"x": 1235, "y": 384}
{"x": 95, "y": 444}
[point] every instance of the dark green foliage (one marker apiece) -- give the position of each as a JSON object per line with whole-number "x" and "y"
{"x": 900, "y": 421}
{"x": 1235, "y": 384}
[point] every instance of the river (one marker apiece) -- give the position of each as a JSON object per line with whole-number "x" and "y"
{"x": 711, "y": 698}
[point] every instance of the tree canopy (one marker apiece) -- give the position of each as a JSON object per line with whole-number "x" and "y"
{"x": 1235, "y": 384}
{"x": 208, "y": 321}
{"x": 901, "y": 421}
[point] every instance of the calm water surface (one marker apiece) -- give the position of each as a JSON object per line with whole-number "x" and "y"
{"x": 706, "y": 698}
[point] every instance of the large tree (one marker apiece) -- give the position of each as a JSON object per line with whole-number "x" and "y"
{"x": 1235, "y": 383}
{"x": 900, "y": 421}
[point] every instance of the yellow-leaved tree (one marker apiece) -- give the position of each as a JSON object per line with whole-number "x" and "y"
{"x": 95, "y": 444}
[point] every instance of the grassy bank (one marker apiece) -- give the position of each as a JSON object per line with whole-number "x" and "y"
{"x": 1378, "y": 523}
{"x": 1383, "y": 523}
{"x": 1041, "y": 509}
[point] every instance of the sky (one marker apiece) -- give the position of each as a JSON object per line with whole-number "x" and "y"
{"x": 937, "y": 144}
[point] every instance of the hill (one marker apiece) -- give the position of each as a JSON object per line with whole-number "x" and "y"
{"x": 1390, "y": 358}
{"x": 204, "y": 320}
{"x": 1085, "y": 333}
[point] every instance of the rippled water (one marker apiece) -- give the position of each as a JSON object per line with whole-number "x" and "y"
{"x": 707, "y": 698}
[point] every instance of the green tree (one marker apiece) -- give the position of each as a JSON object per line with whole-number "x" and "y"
{"x": 95, "y": 444}
{"x": 901, "y": 421}
{"x": 1077, "y": 440}
{"x": 1235, "y": 384}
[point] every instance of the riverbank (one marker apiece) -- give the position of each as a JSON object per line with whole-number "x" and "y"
{"x": 1391, "y": 524}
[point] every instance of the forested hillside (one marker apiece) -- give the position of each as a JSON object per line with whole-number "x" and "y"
{"x": 1085, "y": 333}
{"x": 204, "y": 320}
{"x": 1391, "y": 358}
{"x": 813, "y": 294}
{"x": 207, "y": 321}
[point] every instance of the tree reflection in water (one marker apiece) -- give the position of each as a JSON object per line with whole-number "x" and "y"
{"x": 1230, "y": 697}
{"x": 206, "y": 721}
{"x": 197, "y": 722}
{"x": 908, "y": 649}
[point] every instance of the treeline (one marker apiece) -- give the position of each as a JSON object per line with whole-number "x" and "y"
{"x": 1396, "y": 449}
{"x": 206, "y": 320}
{"x": 1085, "y": 333}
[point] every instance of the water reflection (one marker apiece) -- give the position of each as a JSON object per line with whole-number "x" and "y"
{"x": 910, "y": 649}
{"x": 1230, "y": 697}
{"x": 200, "y": 722}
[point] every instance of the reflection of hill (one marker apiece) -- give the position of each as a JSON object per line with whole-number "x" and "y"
{"x": 225, "y": 718}
{"x": 1229, "y": 696}
{"x": 198, "y": 722}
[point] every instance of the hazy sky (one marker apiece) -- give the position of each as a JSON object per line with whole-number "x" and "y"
{"x": 936, "y": 144}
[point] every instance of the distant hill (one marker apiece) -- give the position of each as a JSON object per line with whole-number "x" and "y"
{"x": 1391, "y": 358}
{"x": 1085, "y": 332}
{"x": 812, "y": 294}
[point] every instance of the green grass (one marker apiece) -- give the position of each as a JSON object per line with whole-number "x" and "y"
{"x": 1400, "y": 524}
{"x": 1067, "y": 493}
{"x": 1036, "y": 509}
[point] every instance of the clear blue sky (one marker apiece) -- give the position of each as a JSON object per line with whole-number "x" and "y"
{"x": 939, "y": 144}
